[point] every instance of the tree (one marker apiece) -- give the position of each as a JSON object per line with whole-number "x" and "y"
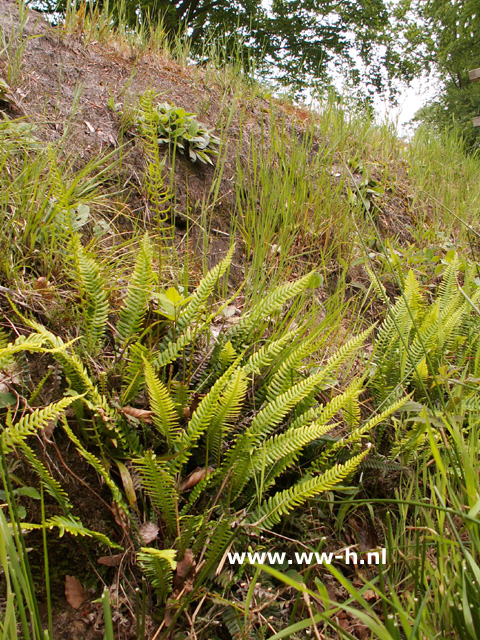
{"x": 302, "y": 40}
{"x": 443, "y": 36}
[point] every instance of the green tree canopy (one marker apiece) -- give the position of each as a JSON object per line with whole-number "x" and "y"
{"x": 443, "y": 37}
{"x": 301, "y": 40}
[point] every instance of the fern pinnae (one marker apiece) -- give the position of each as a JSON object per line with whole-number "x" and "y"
{"x": 159, "y": 484}
{"x": 286, "y": 373}
{"x": 51, "y": 485}
{"x": 74, "y": 527}
{"x": 200, "y": 420}
{"x": 281, "y": 503}
{"x": 139, "y": 291}
{"x": 267, "y": 354}
{"x": 92, "y": 288}
{"x": 270, "y": 304}
{"x": 204, "y": 290}
{"x": 229, "y": 407}
{"x": 32, "y": 422}
{"x": 165, "y": 415}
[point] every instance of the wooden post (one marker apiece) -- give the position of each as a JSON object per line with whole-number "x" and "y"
{"x": 474, "y": 76}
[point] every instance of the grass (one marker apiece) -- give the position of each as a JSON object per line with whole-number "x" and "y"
{"x": 296, "y": 190}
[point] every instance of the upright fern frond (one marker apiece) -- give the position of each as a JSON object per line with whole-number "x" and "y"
{"x": 95, "y": 303}
{"x": 165, "y": 415}
{"x": 159, "y": 485}
{"x": 158, "y": 565}
{"x": 139, "y": 291}
{"x": 204, "y": 290}
{"x": 155, "y": 187}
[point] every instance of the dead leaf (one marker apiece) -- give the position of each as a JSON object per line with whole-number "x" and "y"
{"x": 194, "y": 478}
{"x": 139, "y": 414}
{"x": 74, "y": 592}
{"x": 369, "y": 594}
{"x": 185, "y": 564}
{"x": 148, "y": 532}
{"x": 111, "y": 561}
{"x": 47, "y": 432}
{"x": 185, "y": 567}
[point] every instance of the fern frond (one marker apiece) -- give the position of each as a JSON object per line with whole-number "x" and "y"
{"x": 203, "y": 291}
{"x": 228, "y": 410}
{"x": 268, "y": 353}
{"x": 269, "y": 305}
{"x": 31, "y": 423}
{"x": 52, "y": 486}
{"x": 73, "y": 526}
{"x": 133, "y": 378}
{"x": 92, "y": 289}
{"x": 157, "y": 566}
{"x": 159, "y": 485}
{"x": 271, "y": 511}
{"x": 287, "y": 372}
{"x": 200, "y": 420}
{"x": 165, "y": 415}
{"x": 98, "y": 466}
{"x": 138, "y": 295}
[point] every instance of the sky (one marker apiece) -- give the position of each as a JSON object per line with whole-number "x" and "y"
{"x": 409, "y": 102}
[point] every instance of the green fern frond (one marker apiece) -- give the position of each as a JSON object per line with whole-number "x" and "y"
{"x": 203, "y": 291}
{"x": 98, "y": 466}
{"x": 31, "y": 423}
{"x": 92, "y": 289}
{"x": 268, "y": 353}
{"x": 133, "y": 378}
{"x": 273, "y": 302}
{"x": 73, "y": 526}
{"x": 157, "y": 565}
{"x": 165, "y": 415}
{"x": 287, "y": 372}
{"x": 201, "y": 418}
{"x": 356, "y": 434}
{"x": 52, "y": 486}
{"x": 138, "y": 295}
{"x": 228, "y": 410}
{"x": 159, "y": 485}
{"x": 271, "y": 511}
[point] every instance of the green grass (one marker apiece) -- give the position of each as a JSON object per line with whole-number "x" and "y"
{"x": 326, "y": 190}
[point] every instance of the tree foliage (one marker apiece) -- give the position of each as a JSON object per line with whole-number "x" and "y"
{"x": 443, "y": 37}
{"x": 301, "y": 40}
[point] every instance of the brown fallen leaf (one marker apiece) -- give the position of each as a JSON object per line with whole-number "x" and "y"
{"x": 74, "y": 592}
{"x": 111, "y": 561}
{"x": 194, "y": 478}
{"x": 185, "y": 571}
{"x": 139, "y": 414}
{"x": 148, "y": 532}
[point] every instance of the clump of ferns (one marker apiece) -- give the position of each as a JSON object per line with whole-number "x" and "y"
{"x": 429, "y": 347}
{"x": 204, "y": 459}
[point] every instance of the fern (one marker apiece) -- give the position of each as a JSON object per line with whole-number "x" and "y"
{"x": 165, "y": 416}
{"x": 155, "y": 188}
{"x": 271, "y": 511}
{"x": 95, "y": 303}
{"x": 159, "y": 485}
{"x": 31, "y": 423}
{"x": 139, "y": 291}
{"x": 203, "y": 291}
{"x": 157, "y": 565}
{"x": 73, "y": 526}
